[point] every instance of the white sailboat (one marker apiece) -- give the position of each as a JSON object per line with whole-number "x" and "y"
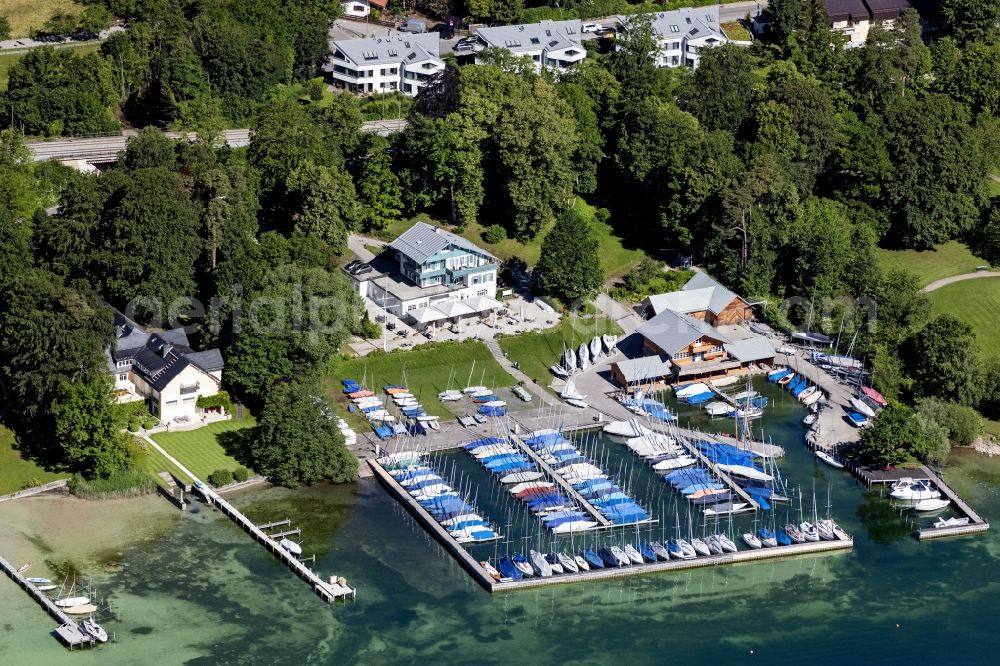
{"x": 829, "y": 459}
{"x": 610, "y": 341}
{"x": 91, "y": 627}
{"x": 583, "y": 354}
{"x": 595, "y": 348}
{"x": 690, "y": 389}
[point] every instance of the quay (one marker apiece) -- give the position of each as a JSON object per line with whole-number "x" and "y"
{"x": 328, "y": 591}
{"x": 976, "y": 522}
{"x": 68, "y": 630}
{"x": 479, "y": 574}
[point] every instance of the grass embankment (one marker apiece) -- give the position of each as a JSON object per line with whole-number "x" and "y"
{"x": 616, "y": 259}
{"x": 7, "y": 60}
{"x": 947, "y": 259}
{"x": 16, "y": 473}
{"x": 425, "y": 370}
{"x": 28, "y": 15}
{"x": 976, "y": 302}
{"x": 535, "y": 352}
{"x": 199, "y": 450}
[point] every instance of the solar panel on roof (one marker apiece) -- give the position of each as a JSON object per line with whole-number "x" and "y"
{"x": 535, "y": 40}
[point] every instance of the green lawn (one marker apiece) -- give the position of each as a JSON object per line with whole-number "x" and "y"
{"x": 17, "y": 473}
{"x": 947, "y": 259}
{"x": 7, "y": 60}
{"x": 535, "y": 352}
{"x": 198, "y": 450}
{"x": 976, "y": 302}
{"x": 28, "y": 15}
{"x": 426, "y": 369}
{"x": 616, "y": 260}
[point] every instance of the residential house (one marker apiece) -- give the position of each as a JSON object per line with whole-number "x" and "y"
{"x": 554, "y": 45}
{"x": 854, "y": 18}
{"x": 161, "y": 368}
{"x": 385, "y": 64}
{"x": 683, "y": 33}
{"x": 431, "y": 267}
{"x": 702, "y": 298}
{"x": 679, "y": 347}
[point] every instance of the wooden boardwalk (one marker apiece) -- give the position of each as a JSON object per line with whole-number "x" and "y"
{"x": 328, "y": 591}
{"x": 68, "y": 630}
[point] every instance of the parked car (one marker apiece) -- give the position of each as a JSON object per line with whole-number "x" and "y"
{"x": 362, "y": 269}
{"x": 465, "y": 44}
{"x": 592, "y": 27}
{"x": 352, "y": 265}
{"x": 412, "y": 25}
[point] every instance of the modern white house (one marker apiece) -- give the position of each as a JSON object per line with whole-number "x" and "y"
{"x": 385, "y": 64}
{"x": 554, "y": 45}
{"x": 854, "y": 18}
{"x": 431, "y": 268}
{"x": 161, "y": 368}
{"x": 683, "y": 33}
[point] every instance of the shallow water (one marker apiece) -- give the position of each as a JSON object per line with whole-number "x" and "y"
{"x": 192, "y": 588}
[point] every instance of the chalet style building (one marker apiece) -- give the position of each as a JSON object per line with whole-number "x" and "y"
{"x": 701, "y": 298}
{"x": 162, "y": 369}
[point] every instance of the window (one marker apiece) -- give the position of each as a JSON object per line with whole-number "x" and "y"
{"x": 683, "y": 354}
{"x": 170, "y": 403}
{"x": 191, "y": 398}
{"x": 475, "y": 279}
{"x": 123, "y": 377}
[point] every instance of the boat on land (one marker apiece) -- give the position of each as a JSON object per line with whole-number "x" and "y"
{"x": 931, "y": 504}
{"x": 610, "y": 341}
{"x": 292, "y": 547}
{"x": 558, "y": 371}
{"x": 95, "y": 630}
{"x": 595, "y": 348}
{"x": 857, "y": 420}
{"x": 70, "y": 602}
{"x": 569, "y": 360}
{"x": 874, "y": 396}
{"x": 583, "y": 354}
{"x": 469, "y": 390}
{"x": 829, "y": 459}
{"x": 577, "y": 402}
{"x": 862, "y": 407}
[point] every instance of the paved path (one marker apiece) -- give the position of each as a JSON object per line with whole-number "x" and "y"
{"x": 616, "y": 312}
{"x": 175, "y": 461}
{"x": 356, "y": 244}
{"x": 505, "y": 363}
{"x": 943, "y": 282}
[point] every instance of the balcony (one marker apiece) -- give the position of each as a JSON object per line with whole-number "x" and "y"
{"x": 460, "y": 273}
{"x": 189, "y": 389}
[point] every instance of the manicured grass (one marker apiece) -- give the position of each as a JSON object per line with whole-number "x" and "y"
{"x": 616, "y": 260}
{"x": 26, "y": 15}
{"x": 976, "y": 302}
{"x": 425, "y": 370}
{"x": 156, "y": 463}
{"x": 947, "y": 259}
{"x": 199, "y": 450}
{"x": 7, "y": 60}
{"x": 17, "y": 473}
{"x": 535, "y": 352}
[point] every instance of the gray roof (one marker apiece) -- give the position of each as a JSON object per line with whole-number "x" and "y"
{"x": 384, "y": 50}
{"x": 545, "y": 35}
{"x": 672, "y": 331}
{"x": 162, "y": 356}
{"x": 750, "y": 349}
{"x": 720, "y": 298}
{"x": 690, "y": 22}
{"x": 423, "y": 240}
{"x": 643, "y": 368}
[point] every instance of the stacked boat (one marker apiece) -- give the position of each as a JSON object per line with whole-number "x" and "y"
{"x": 350, "y": 437}
{"x": 586, "y": 478}
{"x": 370, "y": 406}
{"x": 439, "y": 498}
{"x": 525, "y": 482}
{"x": 411, "y": 410}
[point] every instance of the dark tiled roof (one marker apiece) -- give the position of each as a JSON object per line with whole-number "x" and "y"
{"x": 846, "y": 10}
{"x": 157, "y": 357}
{"x": 887, "y": 9}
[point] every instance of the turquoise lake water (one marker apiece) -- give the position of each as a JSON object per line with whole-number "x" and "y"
{"x": 204, "y": 593}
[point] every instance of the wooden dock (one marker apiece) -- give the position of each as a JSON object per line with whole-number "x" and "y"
{"x": 478, "y": 574}
{"x": 328, "y": 591}
{"x": 562, "y": 483}
{"x": 68, "y": 630}
{"x": 276, "y": 523}
{"x": 280, "y": 535}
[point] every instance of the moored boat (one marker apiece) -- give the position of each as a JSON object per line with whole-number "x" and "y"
{"x": 91, "y": 627}
{"x": 931, "y": 504}
{"x": 69, "y": 602}
{"x": 829, "y": 459}
{"x": 81, "y": 609}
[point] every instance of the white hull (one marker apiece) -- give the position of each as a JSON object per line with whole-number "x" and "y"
{"x": 746, "y": 472}
{"x": 862, "y": 407}
{"x": 931, "y": 504}
{"x": 627, "y": 429}
{"x": 807, "y": 393}
{"x": 521, "y": 477}
{"x": 828, "y": 459}
{"x": 574, "y": 526}
{"x": 69, "y": 602}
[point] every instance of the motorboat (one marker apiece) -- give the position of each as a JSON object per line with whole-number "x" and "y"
{"x": 931, "y": 504}
{"x": 914, "y": 490}
{"x": 91, "y": 627}
{"x": 292, "y": 547}
{"x": 69, "y": 602}
{"x": 751, "y": 540}
{"x": 862, "y": 407}
{"x": 689, "y": 390}
{"x": 806, "y": 393}
{"x": 813, "y": 398}
{"x": 951, "y": 522}
{"x": 829, "y": 459}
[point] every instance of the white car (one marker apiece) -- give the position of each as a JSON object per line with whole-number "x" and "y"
{"x": 591, "y": 27}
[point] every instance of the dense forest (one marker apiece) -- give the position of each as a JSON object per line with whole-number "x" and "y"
{"x": 780, "y": 168}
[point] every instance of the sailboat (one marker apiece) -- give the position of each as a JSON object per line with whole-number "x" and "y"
{"x": 609, "y": 342}
{"x": 569, "y": 360}
{"x": 584, "y": 356}
{"x": 751, "y": 539}
{"x": 829, "y": 459}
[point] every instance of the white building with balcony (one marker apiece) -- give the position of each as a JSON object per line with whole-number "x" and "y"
{"x": 162, "y": 369}
{"x": 855, "y": 18}
{"x": 554, "y": 45}
{"x": 384, "y": 64}
{"x": 683, "y": 33}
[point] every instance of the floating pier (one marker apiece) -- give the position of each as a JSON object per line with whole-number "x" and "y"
{"x": 68, "y": 630}
{"x": 328, "y": 591}
{"x": 976, "y": 522}
{"x": 479, "y": 574}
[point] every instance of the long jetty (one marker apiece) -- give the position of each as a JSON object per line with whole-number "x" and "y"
{"x": 563, "y": 483}
{"x": 328, "y": 591}
{"x": 68, "y": 630}
{"x": 475, "y": 569}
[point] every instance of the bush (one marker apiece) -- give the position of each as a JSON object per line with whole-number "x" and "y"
{"x": 133, "y": 425}
{"x": 241, "y": 474}
{"x": 494, "y": 234}
{"x": 316, "y": 88}
{"x": 149, "y": 423}
{"x": 220, "y": 477}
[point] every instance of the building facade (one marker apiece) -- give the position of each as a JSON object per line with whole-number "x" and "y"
{"x": 854, "y": 18}
{"x": 385, "y": 64}
{"x": 701, "y": 298}
{"x": 682, "y": 34}
{"x": 162, "y": 369}
{"x": 554, "y": 45}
